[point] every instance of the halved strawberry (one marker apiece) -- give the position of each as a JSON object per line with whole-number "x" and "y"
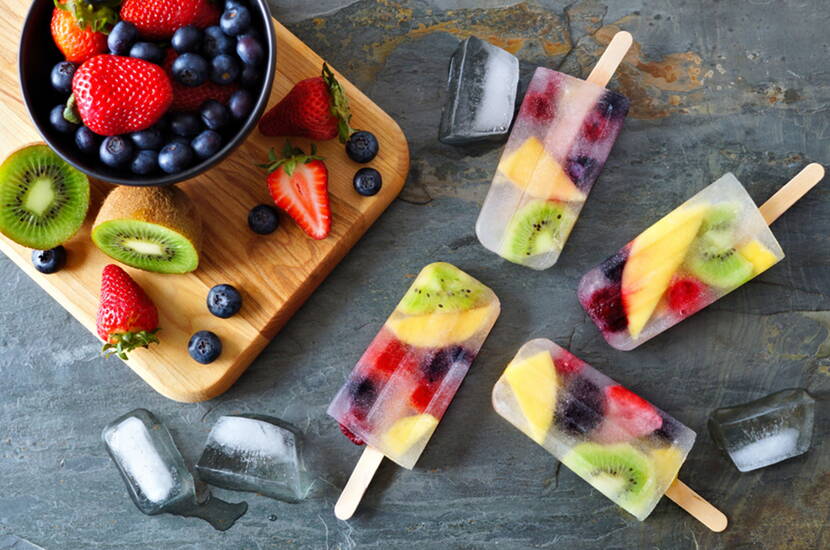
{"x": 386, "y": 354}
{"x": 686, "y": 295}
{"x": 298, "y": 184}
{"x": 627, "y": 416}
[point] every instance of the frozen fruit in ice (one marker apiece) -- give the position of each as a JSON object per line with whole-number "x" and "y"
{"x": 352, "y": 437}
{"x": 534, "y": 384}
{"x": 627, "y": 416}
{"x": 612, "y": 267}
{"x": 758, "y": 255}
{"x": 533, "y": 169}
{"x": 581, "y": 407}
{"x": 408, "y": 431}
{"x": 386, "y": 354}
{"x": 605, "y": 307}
{"x": 583, "y": 170}
{"x": 686, "y": 295}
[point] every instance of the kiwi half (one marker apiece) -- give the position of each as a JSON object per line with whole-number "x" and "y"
{"x": 43, "y": 200}
{"x": 152, "y": 228}
{"x": 537, "y": 228}
{"x": 712, "y": 257}
{"x": 441, "y": 287}
{"x": 620, "y": 472}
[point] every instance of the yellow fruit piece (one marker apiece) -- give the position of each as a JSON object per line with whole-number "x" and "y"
{"x": 408, "y": 431}
{"x": 533, "y": 382}
{"x": 667, "y": 462}
{"x": 531, "y": 168}
{"x": 435, "y": 330}
{"x": 655, "y": 256}
{"x": 758, "y": 255}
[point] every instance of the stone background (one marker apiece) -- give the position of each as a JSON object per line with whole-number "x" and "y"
{"x": 716, "y": 86}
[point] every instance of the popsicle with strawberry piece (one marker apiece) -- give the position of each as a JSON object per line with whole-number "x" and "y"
{"x": 625, "y": 447}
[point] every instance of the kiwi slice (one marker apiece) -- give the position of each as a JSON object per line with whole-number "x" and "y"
{"x": 620, "y": 472}
{"x": 722, "y": 216}
{"x": 43, "y": 200}
{"x": 441, "y": 287}
{"x": 152, "y": 228}
{"x": 539, "y": 227}
{"x": 712, "y": 258}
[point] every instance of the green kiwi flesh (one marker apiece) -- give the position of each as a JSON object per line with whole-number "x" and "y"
{"x": 620, "y": 472}
{"x": 537, "y": 228}
{"x": 712, "y": 258}
{"x": 43, "y": 200}
{"x": 441, "y": 287}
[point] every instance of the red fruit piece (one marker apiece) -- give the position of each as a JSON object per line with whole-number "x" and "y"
{"x": 628, "y": 416}
{"x": 352, "y": 437}
{"x": 315, "y": 108}
{"x": 606, "y": 309}
{"x": 118, "y": 95}
{"x": 159, "y": 19}
{"x": 386, "y": 354}
{"x": 567, "y": 363}
{"x": 127, "y": 318}
{"x": 595, "y": 126}
{"x": 298, "y": 183}
{"x": 686, "y": 295}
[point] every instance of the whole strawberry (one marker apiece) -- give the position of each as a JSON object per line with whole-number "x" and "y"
{"x": 159, "y": 19}
{"x": 127, "y": 318}
{"x": 118, "y": 95}
{"x": 80, "y": 29}
{"x": 190, "y": 98}
{"x": 298, "y": 183}
{"x": 315, "y": 108}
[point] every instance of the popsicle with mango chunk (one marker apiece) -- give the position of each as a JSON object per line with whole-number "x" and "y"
{"x": 400, "y": 388}
{"x": 701, "y": 251}
{"x": 625, "y": 447}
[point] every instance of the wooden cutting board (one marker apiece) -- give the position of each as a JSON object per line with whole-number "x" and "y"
{"x": 275, "y": 273}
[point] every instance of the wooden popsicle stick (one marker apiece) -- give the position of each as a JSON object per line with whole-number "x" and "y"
{"x": 611, "y": 59}
{"x": 361, "y": 476}
{"x": 791, "y": 192}
{"x": 693, "y": 503}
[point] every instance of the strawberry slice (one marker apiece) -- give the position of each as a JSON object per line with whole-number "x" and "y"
{"x": 298, "y": 183}
{"x": 627, "y": 416}
{"x": 386, "y": 354}
{"x": 686, "y": 295}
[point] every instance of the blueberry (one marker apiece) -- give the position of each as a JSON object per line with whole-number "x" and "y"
{"x": 151, "y": 138}
{"x": 224, "y": 69}
{"x": 116, "y": 151}
{"x": 367, "y": 182}
{"x": 216, "y": 42}
{"x": 185, "y": 124}
{"x": 121, "y": 37}
{"x": 58, "y": 122}
{"x": 235, "y": 21}
{"x": 241, "y": 104}
{"x": 439, "y": 364}
{"x": 204, "y": 347}
{"x": 86, "y": 140}
{"x": 668, "y": 430}
{"x": 583, "y": 171}
{"x": 206, "y": 144}
{"x": 613, "y": 105}
{"x": 187, "y": 39}
{"x": 214, "y": 115}
{"x": 612, "y": 267}
{"x": 362, "y": 146}
{"x": 148, "y": 52}
{"x": 190, "y": 69}
{"x": 251, "y": 76}
{"x": 145, "y": 162}
{"x": 249, "y": 50}
{"x": 364, "y": 393}
{"x": 263, "y": 219}
{"x": 61, "y": 77}
{"x": 581, "y": 408}
{"x": 224, "y": 301}
{"x": 175, "y": 157}
{"x": 49, "y": 261}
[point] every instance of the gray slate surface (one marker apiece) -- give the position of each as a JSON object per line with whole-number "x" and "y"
{"x": 720, "y": 86}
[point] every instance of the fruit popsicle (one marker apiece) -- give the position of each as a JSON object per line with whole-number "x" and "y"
{"x": 704, "y": 249}
{"x": 403, "y": 383}
{"x": 625, "y": 447}
{"x": 557, "y": 148}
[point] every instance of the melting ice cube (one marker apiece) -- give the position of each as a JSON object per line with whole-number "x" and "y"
{"x": 766, "y": 431}
{"x": 255, "y": 453}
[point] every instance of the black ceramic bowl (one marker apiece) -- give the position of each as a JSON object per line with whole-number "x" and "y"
{"x": 38, "y": 55}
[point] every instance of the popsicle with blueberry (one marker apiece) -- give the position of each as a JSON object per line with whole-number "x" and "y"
{"x": 625, "y": 447}
{"x": 704, "y": 249}
{"x": 560, "y": 141}
{"x": 400, "y": 388}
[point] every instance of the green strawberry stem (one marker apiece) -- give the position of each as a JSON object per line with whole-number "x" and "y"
{"x": 122, "y": 342}
{"x": 101, "y": 17}
{"x": 292, "y": 156}
{"x": 339, "y": 105}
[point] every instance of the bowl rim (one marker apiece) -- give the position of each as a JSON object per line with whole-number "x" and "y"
{"x": 165, "y": 179}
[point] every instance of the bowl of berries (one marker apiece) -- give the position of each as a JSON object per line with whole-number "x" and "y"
{"x": 146, "y": 92}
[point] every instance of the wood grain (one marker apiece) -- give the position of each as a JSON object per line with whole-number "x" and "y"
{"x": 275, "y": 273}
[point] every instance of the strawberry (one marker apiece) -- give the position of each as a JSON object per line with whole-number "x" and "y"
{"x": 352, "y": 437}
{"x": 118, "y": 95}
{"x": 386, "y": 354}
{"x": 298, "y": 184}
{"x": 80, "y": 29}
{"x": 187, "y": 98}
{"x": 159, "y": 19}
{"x": 127, "y": 317}
{"x": 686, "y": 295}
{"x": 315, "y": 108}
{"x": 627, "y": 416}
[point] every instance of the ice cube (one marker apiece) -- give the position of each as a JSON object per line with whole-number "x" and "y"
{"x": 11, "y": 542}
{"x": 155, "y": 473}
{"x": 255, "y": 453}
{"x": 765, "y": 431}
{"x": 482, "y": 86}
